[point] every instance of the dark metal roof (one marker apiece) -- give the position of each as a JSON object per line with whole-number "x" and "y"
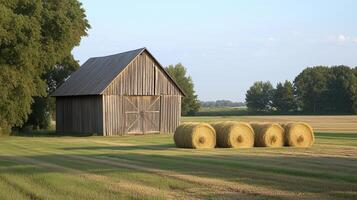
{"x": 93, "y": 77}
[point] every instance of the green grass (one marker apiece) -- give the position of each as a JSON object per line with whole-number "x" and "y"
{"x": 151, "y": 167}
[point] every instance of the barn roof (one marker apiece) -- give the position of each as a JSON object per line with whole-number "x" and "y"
{"x": 93, "y": 77}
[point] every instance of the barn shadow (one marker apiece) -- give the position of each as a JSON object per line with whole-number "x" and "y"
{"x": 125, "y": 147}
{"x": 49, "y": 133}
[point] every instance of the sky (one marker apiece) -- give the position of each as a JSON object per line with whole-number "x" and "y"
{"x": 226, "y": 45}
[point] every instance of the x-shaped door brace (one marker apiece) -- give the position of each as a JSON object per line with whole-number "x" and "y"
{"x": 141, "y": 113}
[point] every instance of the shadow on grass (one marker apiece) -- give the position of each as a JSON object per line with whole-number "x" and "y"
{"x": 50, "y": 133}
{"x": 290, "y": 173}
{"x": 337, "y": 135}
{"x": 125, "y": 147}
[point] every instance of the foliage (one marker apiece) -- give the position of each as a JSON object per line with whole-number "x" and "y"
{"x": 222, "y": 111}
{"x": 20, "y": 33}
{"x": 34, "y": 36}
{"x": 283, "y": 97}
{"x": 316, "y": 90}
{"x": 221, "y": 103}
{"x": 327, "y": 90}
{"x": 189, "y": 104}
{"x": 342, "y": 90}
{"x": 259, "y": 96}
{"x": 311, "y": 88}
{"x": 44, "y": 108}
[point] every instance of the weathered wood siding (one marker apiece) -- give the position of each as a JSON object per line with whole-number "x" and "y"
{"x": 170, "y": 113}
{"x": 117, "y": 121}
{"x": 79, "y": 114}
{"x": 142, "y": 77}
{"x": 113, "y": 115}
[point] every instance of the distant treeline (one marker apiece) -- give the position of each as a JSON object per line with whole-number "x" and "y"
{"x": 221, "y": 103}
{"x": 316, "y": 90}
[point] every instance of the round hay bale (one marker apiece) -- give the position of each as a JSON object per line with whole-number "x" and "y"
{"x": 195, "y": 135}
{"x": 298, "y": 134}
{"x": 232, "y": 134}
{"x": 268, "y": 135}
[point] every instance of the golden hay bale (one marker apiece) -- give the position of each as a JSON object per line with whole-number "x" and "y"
{"x": 268, "y": 135}
{"x": 195, "y": 135}
{"x": 298, "y": 134}
{"x": 232, "y": 134}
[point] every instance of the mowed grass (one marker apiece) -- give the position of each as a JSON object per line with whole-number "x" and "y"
{"x": 151, "y": 167}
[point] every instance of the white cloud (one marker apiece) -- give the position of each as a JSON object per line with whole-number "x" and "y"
{"x": 271, "y": 39}
{"x": 341, "y": 38}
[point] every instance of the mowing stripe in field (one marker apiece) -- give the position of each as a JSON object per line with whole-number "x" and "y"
{"x": 76, "y": 157}
{"x": 119, "y": 186}
{"x": 256, "y": 164}
{"x": 235, "y": 167}
{"x": 120, "y": 162}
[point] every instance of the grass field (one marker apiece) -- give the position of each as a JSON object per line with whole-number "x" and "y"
{"x": 150, "y": 167}
{"x": 342, "y": 123}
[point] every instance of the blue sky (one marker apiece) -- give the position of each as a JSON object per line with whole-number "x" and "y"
{"x": 226, "y": 45}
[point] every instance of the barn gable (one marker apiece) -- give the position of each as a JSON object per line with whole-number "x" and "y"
{"x": 143, "y": 76}
{"x": 102, "y": 75}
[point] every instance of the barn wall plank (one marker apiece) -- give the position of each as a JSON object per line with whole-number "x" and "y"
{"x": 79, "y": 114}
{"x": 114, "y": 115}
{"x": 170, "y": 113}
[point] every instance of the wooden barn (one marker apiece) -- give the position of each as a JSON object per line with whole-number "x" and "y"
{"x": 125, "y": 93}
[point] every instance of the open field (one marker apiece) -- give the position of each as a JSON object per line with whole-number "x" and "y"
{"x": 150, "y": 167}
{"x": 338, "y": 123}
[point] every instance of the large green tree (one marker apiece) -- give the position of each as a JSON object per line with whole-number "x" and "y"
{"x": 327, "y": 89}
{"x": 259, "y": 96}
{"x": 190, "y": 104}
{"x": 284, "y": 99}
{"x": 34, "y": 36}
{"x": 342, "y": 90}
{"x": 311, "y": 89}
{"x": 44, "y": 108}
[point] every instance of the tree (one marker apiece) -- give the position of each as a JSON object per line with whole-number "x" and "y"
{"x": 221, "y": 103}
{"x": 34, "y": 36}
{"x": 283, "y": 97}
{"x": 327, "y": 90}
{"x": 259, "y": 96}
{"x": 342, "y": 90}
{"x": 189, "y": 104}
{"x": 44, "y": 108}
{"x": 311, "y": 89}
{"x": 354, "y": 91}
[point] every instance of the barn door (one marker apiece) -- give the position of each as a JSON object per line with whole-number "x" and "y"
{"x": 142, "y": 114}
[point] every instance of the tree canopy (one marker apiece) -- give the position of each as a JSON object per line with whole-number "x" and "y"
{"x": 190, "y": 104}
{"x": 327, "y": 90}
{"x": 318, "y": 90}
{"x": 44, "y": 107}
{"x": 259, "y": 96}
{"x": 34, "y": 36}
{"x": 283, "y": 99}
{"x": 311, "y": 88}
